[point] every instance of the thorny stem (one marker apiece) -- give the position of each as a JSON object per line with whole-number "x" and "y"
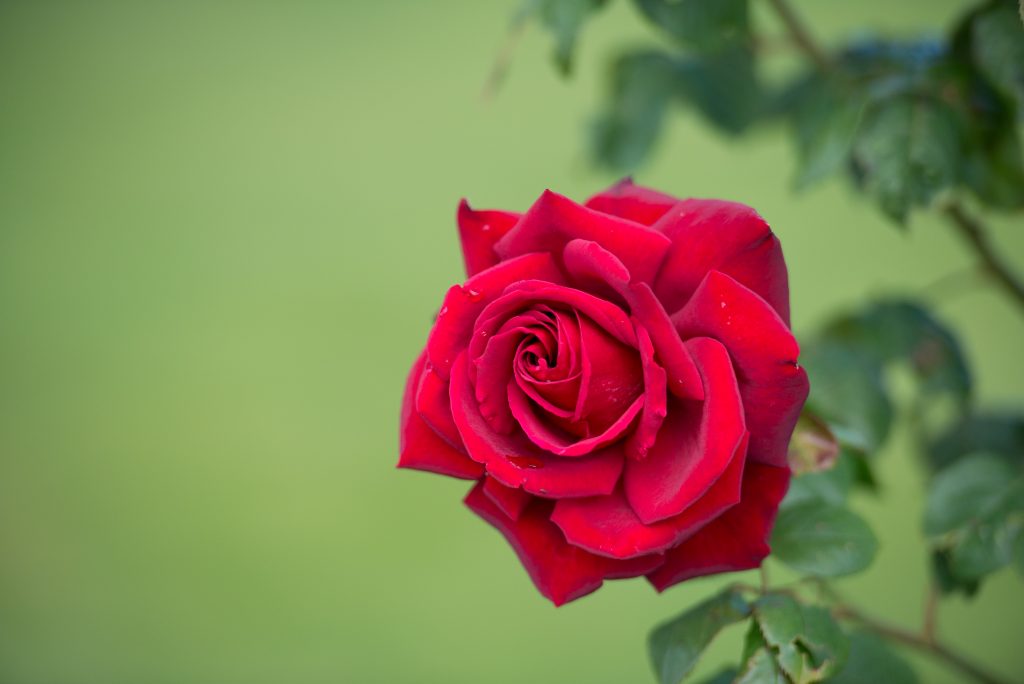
{"x": 972, "y": 230}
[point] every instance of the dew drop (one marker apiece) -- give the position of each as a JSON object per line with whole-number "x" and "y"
{"x": 442, "y": 312}
{"x": 473, "y": 295}
{"x": 486, "y": 228}
{"x": 526, "y": 462}
{"x": 723, "y": 305}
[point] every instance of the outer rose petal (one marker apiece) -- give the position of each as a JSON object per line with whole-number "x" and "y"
{"x": 738, "y": 540}
{"x": 724, "y": 236}
{"x": 553, "y": 220}
{"x": 435, "y": 407}
{"x": 420, "y": 447}
{"x": 478, "y": 231}
{"x": 515, "y": 462}
{"x": 633, "y": 202}
{"x": 560, "y": 571}
{"x": 464, "y": 303}
{"x": 696, "y": 442}
{"x": 608, "y": 526}
{"x": 510, "y": 500}
{"x": 764, "y": 351}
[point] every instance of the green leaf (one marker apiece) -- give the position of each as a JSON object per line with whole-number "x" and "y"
{"x": 821, "y": 539}
{"x": 847, "y": 391}
{"x": 564, "y": 18}
{"x": 701, "y": 24}
{"x": 907, "y": 151}
{"x": 871, "y": 661}
{"x": 903, "y": 331}
{"x": 675, "y": 646}
{"x": 726, "y": 676}
{"x": 972, "y": 489}
{"x": 831, "y": 486}
{"x": 806, "y": 642}
{"x": 946, "y": 579}
{"x": 761, "y": 669}
{"x": 825, "y": 125}
{"x": 999, "y": 434}
{"x": 723, "y": 87}
{"x": 997, "y": 44}
{"x": 642, "y": 84}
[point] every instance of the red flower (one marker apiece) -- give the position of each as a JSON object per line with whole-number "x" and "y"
{"x": 620, "y": 380}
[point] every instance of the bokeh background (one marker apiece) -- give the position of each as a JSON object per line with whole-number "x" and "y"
{"x": 224, "y": 230}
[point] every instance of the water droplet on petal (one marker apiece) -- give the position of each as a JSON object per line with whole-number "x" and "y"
{"x": 473, "y": 295}
{"x": 442, "y": 312}
{"x": 486, "y": 228}
{"x": 526, "y": 462}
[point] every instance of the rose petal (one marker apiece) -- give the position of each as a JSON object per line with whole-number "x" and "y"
{"x": 772, "y": 385}
{"x": 560, "y": 571}
{"x": 478, "y": 231}
{"x": 737, "y": 540}
{"x": 596, "y": 269}
{"x": 633, "y": 202}
{"x": 553, "y": 220}
{"x": 608, "y": 526}
{"x": 510, "y": 500}
{"x": 464, "y": 303}
{"x": 516, "y": 462}
{"x": 423, "y": 449}
{"x": 695, "y": 444}
{"x": 724, "y": 236}
{"x": 655, "y": 400}
{"x": 435, "y": 407}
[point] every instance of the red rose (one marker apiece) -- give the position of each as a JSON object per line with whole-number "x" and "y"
{"x": 620, "y": 380}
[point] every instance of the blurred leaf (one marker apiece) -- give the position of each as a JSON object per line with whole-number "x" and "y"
{"x": 904, "y": 331}
{"x": 804, "y": 640}
{"x": 907, "y": 151}
{"x": 994, "y": 167}
{"x": 726, "y": 676}
{"x": 947, "y": 581}
{"x": 991, "y": 433}
{"x": 831, "y": 486}
{"x": 702, "y": 24}
{"x": 825, "y": 124}
{"x": 847, "y": 391}
{"x": 975, "y": 515}
{"x": 970, "y": 490}
{"x": 871, "y": 661}
{"x": 724, "y": 88}
{"x": 676, "y": 645}
{"x": 564, "y": 18}
{"x": 812, "y": 448}
{"x": 821, "y": 539}
{"x": 997, "y": 42}
{"x": 642, "y": 84}
{"x": 761, "y": 669}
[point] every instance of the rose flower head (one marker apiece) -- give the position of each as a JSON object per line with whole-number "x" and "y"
{"x": 620, "y": 381}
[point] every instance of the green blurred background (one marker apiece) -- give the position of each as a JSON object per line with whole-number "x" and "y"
{"x": 224, "y": 230}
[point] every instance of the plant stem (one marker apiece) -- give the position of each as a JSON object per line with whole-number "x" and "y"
{"x": 931, "y": 604}
{"x": 800, "y": 35}
{"x": 917, "y": 641}
{"x": 972, "y": 230}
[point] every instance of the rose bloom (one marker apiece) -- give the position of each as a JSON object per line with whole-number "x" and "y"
{"x": 620, "y": 380}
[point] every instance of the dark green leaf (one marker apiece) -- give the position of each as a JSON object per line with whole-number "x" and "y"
{"x": 999, "y": 434}
{"x": 816, "y": 538}
{"x": 907, "y": 151}
{"x": 826, "y": 642}
{"x": 564, "y": 18}
{"x": 972, "y": 489}
{"x": 825, "y": 123}
{"x": 642, "y": 84}
{"x": 847, "y": 391}
{"x": 702, "y": 24}
{"x": 948, "y": 582}
{"x": 676, "y": 645}
{"x": 903, "y": 331}
{"x": 997, "y": 42}
{"x": 871, "y": 661}
{"x": 724, "y": 88}
{"x": 985, "y": 548}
